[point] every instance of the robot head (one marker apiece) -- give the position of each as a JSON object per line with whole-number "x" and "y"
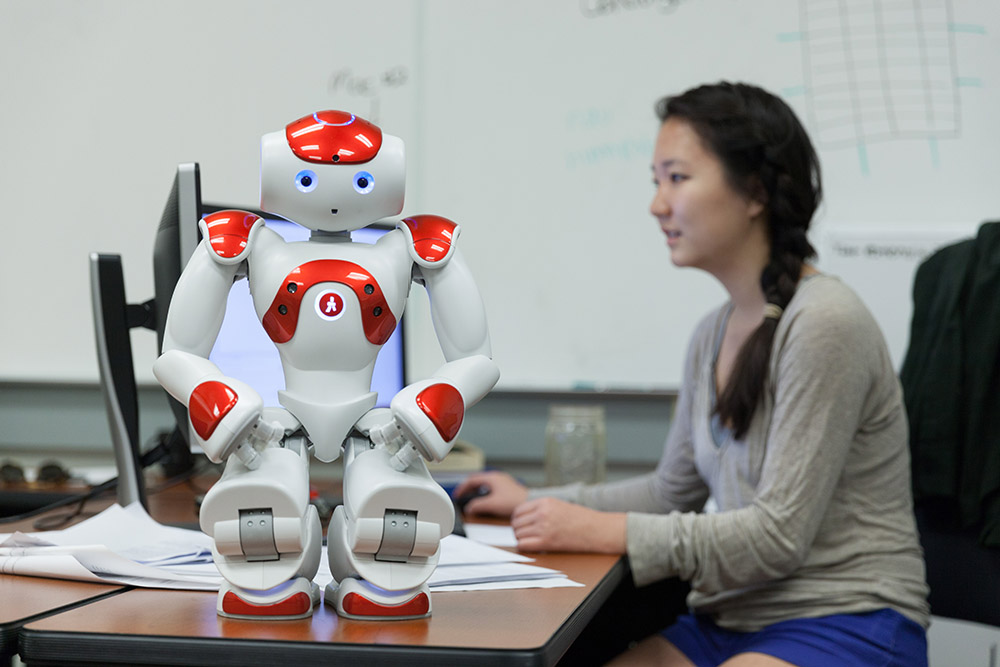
{"x": 332, "y": 171}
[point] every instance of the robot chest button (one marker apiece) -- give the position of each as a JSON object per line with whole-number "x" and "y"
{"x": 330, "y": 305}
{"x": 281, "y": 318}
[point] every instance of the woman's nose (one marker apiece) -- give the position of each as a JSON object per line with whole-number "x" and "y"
{"x": 660, "y": 206}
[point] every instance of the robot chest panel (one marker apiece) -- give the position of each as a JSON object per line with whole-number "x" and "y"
{"x": 329, "y": 332}
{"x": 326, "y": 297}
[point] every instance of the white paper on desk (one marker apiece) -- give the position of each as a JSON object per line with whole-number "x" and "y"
{"x": 498, "y": 536}
{"x": 57, "y": 566}
{"x": 132, "y": 533}
{"x": 457, "y": 550}
{"x": 97, "y": 563}
{"x": 553, "y": 582}
{"x": 446, "y": 575}
{"x": 107, "y": 548}
{"x": 119, "y": 545}
{"x": 468, "y": 566}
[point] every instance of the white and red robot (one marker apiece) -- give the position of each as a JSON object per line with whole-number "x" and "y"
{"x": 328, "y": 304}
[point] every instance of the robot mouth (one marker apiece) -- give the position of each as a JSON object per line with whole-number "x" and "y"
{"x": 334, "y": 211}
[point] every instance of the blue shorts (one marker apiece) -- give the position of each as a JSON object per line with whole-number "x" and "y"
{"x": 884, "y": 638}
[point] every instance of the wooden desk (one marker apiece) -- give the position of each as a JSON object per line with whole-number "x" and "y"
{"x": 529, "y": 627}
{"x": 526, "y": 626}
{"x": 26, "y": 599}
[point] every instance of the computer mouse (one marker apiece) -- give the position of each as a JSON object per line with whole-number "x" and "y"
{"x": 463, "y": 500}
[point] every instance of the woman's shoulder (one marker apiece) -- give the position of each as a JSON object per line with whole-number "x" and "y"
{"x": 826, "y": 294}
{"x": 824, "y": 304}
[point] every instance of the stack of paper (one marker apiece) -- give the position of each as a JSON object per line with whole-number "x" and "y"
{"x": 470, "y": 565}
{"x": 119, "y": 545}
{"x": 126, "y": 546}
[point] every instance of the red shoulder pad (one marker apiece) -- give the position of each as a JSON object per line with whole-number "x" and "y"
{"x": 229, "y": 232}
{"x": 432, "y": 238}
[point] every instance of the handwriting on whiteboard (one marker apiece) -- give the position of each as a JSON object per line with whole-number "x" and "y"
{"x": 596, "y": 9}
{"x": 368, "y": 85}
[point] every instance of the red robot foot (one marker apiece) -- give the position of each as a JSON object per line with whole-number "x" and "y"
{"x": 355, "y": 598}
{"x": 293, "y": 600}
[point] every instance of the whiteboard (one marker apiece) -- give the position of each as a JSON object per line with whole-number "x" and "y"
{"x": 102, "y": 99}
{"x": 530, "y": 124}
{"x": 541, "y": 130}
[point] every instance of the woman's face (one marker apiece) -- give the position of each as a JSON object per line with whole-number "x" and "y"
{"x": 708, "y": 224}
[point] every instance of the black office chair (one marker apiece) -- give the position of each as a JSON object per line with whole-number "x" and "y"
{"x": 963, "y": 574}
{"x": 951, "y": 384}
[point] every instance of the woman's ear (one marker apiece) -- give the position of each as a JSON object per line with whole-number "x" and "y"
{"x": 755, "y": 207}
{"x": 756, "y": 198}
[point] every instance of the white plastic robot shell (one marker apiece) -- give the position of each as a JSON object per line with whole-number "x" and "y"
{"x": 284, "y": 481}
{"x": 375, "y": 486}
{"x": 344, "y": 189}
{"x": 331, "y": 201}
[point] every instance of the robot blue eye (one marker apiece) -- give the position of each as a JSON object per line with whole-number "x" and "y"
{"x": 364, "y": 182}
{"x": 305, "y": 180}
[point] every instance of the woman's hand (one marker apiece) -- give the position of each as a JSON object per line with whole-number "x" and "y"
{"x": 505, "y": 493}
{"x": 548, "y": 524}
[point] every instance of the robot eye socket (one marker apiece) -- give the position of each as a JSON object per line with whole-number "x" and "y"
{"x": 306, "y": 180}
{"x": 364, "y": 182}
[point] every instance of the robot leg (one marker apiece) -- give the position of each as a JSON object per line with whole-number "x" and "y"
{"x": 384, "y": 542}
{"x": 267, "y": 537}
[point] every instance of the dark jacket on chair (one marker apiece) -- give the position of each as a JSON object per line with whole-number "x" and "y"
{"x": 951, "y": 382}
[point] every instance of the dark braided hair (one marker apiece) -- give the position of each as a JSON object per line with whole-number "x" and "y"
{"x": 767, "y": 155}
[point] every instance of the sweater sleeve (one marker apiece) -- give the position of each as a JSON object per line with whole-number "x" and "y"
{"x": 819, "y": 380}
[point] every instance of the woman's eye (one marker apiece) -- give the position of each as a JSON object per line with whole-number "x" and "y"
{"x": 677, "y": 178}
{"x": 305, "y": 180}
{"x": 364, "y": 182}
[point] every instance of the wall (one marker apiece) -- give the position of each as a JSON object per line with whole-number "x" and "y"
{"x": 529, "y": 123}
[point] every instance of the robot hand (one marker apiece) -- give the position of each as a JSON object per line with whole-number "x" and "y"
{"x": 224, "y": 413}
{"x": 427, "y": 416}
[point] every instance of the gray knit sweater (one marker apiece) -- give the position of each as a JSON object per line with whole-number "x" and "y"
{"x": 814, "y": 507}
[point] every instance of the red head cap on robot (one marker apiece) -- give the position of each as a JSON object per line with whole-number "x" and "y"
{"x": 332, "y": 171}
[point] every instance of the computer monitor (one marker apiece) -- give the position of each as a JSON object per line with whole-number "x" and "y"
{"x": 176, "y": 238}
{"x": 243, "y": 349}
{"x": 114, "y": 317}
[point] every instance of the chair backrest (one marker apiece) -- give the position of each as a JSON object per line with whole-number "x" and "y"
{"x": 963, "y": 575}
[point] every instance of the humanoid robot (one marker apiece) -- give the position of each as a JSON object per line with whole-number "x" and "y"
{"x": 328, "y": 304}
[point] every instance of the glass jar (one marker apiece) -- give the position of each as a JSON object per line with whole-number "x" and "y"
{"x": 575, "y": 444}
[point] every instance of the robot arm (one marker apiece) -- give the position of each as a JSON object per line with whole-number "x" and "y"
{"x": 198, "y": 304}
{"x": 429, "y": 414}
{"x": 222, "y": 411}
{"x": 457, "y": 310}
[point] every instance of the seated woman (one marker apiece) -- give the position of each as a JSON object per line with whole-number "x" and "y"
{"x": 790, "y": 416}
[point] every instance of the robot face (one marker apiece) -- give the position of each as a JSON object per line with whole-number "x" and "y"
{"x": 332, "y": 171}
